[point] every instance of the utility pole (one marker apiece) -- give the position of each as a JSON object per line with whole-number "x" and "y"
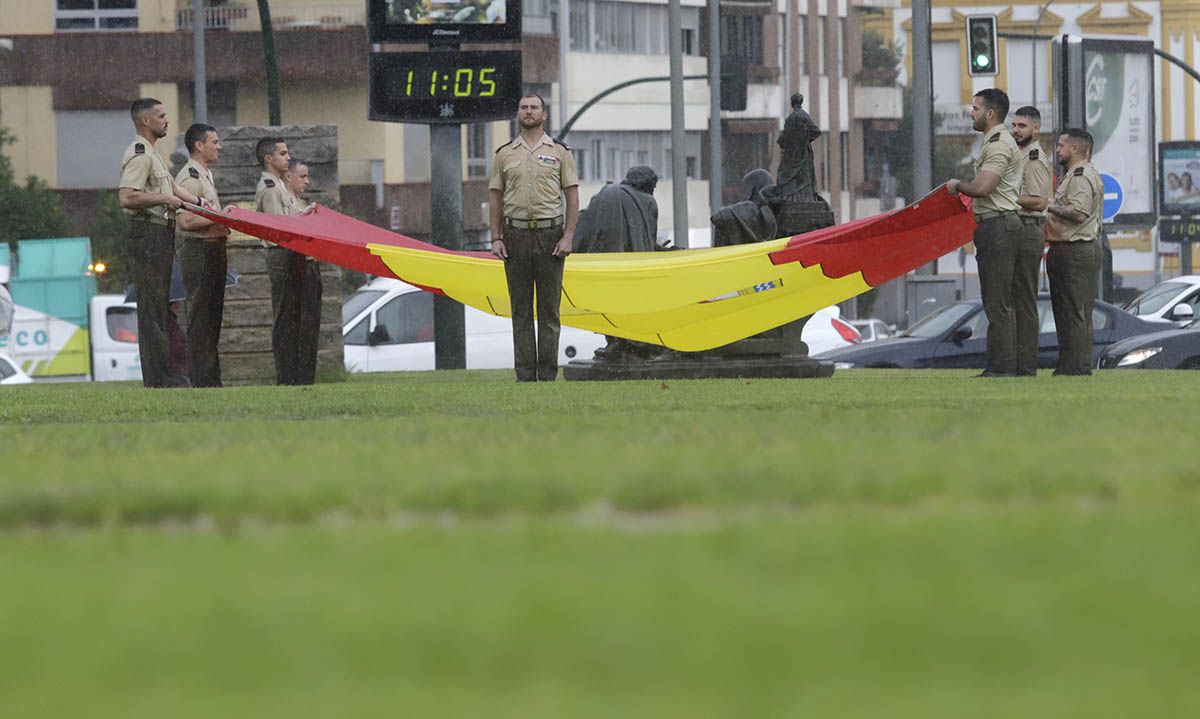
{"x": 199, "y": 73}
{"x": 922, "y": 140}
{"x": 678, "y": 149}
{"x": 716, "y": 152}
{"x": 449, "y": 319}
{"x": 564, "y": 46}
{"x": 268, "y": 36}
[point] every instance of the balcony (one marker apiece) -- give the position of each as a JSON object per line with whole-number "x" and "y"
{"x": 284, "y": 17}
{"x": 878, "y": 103}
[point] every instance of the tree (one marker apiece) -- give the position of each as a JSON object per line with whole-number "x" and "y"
{"x": 110, "y": 244}
{"x": 268, "y": 36}
{"x": 27, "y": 211}
{"x": 949, "y": 153}
{"x": 880, "y": 61}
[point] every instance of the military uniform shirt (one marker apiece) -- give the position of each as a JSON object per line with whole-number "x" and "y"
{"x": 198, "y": 180}
{"x": 1000, "y": 155}
{"x": 273, "y": 198}
{"x": 532, "y": 178}
{"x": 143, "y": 169}
{"x": 1081, "y": 189}
{"x": 1036, "y": 176}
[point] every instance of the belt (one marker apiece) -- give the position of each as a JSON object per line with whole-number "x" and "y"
{"x": 1037, "y": 219}
{"x": 153, "y": 220}
{"x": 985, "y": 216}
{"x": 543, "y": 224}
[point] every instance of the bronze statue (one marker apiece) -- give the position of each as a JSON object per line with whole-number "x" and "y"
{"x": 797, "y": 174}
{"x": 751, "y": 220}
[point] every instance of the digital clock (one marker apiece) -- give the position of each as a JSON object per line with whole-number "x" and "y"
{"x": 445, "y": 86}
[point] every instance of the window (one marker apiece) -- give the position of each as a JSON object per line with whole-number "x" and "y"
{"x": 357, "y": 334}
{"x": 479, "y": 146}
{"x": 845, "y": 151}
{"x": 89, "y": 145}
{"x": 1100, "y": 318}
{"x": 83, "y": 15}
{"x": 122, "y": 324}
{"x": 6, "y": 370}
{"x": 742, "y": 37}
{"x": 802, "y": 24}
{"x": 358, "y": 302}
{"x": 406, "y": 319}
{"x": 628, "y": 28}
{"x": 841, "y": 54}
{"x": 946, "y": 73}
{"x": 601, "y": 156}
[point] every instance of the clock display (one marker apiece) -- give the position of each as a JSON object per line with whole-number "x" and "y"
{"x": 445, "y": 87}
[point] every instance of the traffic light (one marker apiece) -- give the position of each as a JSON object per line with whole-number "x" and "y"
{"x": 983, "y": 56}
{"x": 733, "y": 83}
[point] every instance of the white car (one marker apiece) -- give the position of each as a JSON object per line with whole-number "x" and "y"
{"x": 826, "y": 331}
{"x": 10, "y": 373}
{"x": 387, "y": 326}
{"x": 1176, "y": 300}
{"x": 873, "y": 329}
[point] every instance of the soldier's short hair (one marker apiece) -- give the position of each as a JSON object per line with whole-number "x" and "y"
{"x": 996, "y": 100}
{"x": 141, "y": 106}
{"x": 264, "y": 147}
{"x": 1080, "y": 136}
{"x": 295, "y": 162}
{"x": 1030, "y": 112}
{"x": 534, "y": 94}
{"x": 197, "y": 132}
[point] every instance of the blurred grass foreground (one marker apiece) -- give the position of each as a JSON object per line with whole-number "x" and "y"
{"x": 879, "y": 544}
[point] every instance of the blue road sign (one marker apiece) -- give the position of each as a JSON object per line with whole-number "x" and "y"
{"x": 1114, "y": 196}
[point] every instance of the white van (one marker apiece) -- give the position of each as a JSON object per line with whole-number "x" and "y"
{"x": 114, "y": 336}
{"x": 387, "y": 326}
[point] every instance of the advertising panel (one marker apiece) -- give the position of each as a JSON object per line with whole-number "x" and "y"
{"x": 444, "y": 21}
{"x": 1179, "y": 168}
{"x": 1118, "y": 110}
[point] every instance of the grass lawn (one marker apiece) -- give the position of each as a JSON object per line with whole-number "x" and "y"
{"x": 900, "y": 544}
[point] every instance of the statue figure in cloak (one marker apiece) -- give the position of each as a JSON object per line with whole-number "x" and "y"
{"x": 621, "y": 218}
{"x": 751, "y": 220}
{"x": 797, "y": 173}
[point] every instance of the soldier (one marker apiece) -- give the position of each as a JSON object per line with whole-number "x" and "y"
{"x": 150, "y": 197}
{"x": 296, "y": 180}
{"x": 998, "y": 231}
{"x": 1073, "y": 262}
{"x": 285, "y": 267}
{"x": 530, "y": 177}
{"x": 1035, "y": 196}
{"x": 201, "y": 246}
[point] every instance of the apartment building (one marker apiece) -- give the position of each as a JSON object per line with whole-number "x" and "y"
{"x": 73, "y": 66}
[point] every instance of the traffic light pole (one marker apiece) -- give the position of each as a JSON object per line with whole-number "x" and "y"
{"x": 716, "y": 152}
{"x": 922, "y": 68}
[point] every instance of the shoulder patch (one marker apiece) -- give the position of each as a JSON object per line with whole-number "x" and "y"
{"x": 994, "y": 138}
{"x": 269, "y": 183}
{"x": 194, "y": 173}
{"x": 1033, "y": 154}
{"x": 560, "y": 142}
{"x": 510, "y": 143}
{"x": 139, "y": 149}
{"x": 1078, "y": 172}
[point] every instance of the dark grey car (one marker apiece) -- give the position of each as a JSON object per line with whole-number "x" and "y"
{"x": 1168, "y": 349}
{"x": 956, "y": 337}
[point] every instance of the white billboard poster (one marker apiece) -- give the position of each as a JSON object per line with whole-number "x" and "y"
{"x": 1119, "y": 113}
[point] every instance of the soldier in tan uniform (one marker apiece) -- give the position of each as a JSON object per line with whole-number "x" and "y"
{"x": 530, "y": 178}
{"x": 296, "y": 181}
{"x": 285, "y": 267}
{"x": 151, "y": 197}
{"x": 1073, "y": 262}
{"x": 201, "y": 246}
{"x": 1035, "y": 196}
{"x": 998, "y": 230}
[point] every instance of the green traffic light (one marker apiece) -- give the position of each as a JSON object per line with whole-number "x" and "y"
{"x": 981, "y": 61}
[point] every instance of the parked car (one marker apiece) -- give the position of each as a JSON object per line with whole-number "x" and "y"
{"x": 10, "y": 373}
{"x": 1168, "y": 349}
{"x": 826, "y": 330}
{"x": 956, "y": 337}
{"x": 1175, "y": 300}
{"x": 387, "y": 326}
{"x": 873, "y": 329}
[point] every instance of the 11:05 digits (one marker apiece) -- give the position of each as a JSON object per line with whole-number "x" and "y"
{"x": 465, "y": 82}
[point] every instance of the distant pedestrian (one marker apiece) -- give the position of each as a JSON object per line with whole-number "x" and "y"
{"x": 533, "y": 234}
{"x": 150, "y": 196}
{"x": 998, "y": 231}
{"x": 1073, "y": 262}
{"x": 1036, "y": 186}
{"x": 201, "y": 247}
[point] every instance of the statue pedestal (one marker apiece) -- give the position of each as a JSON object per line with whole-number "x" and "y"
{"x": 796, "y": 218}
{"x": 704, "y": 366}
